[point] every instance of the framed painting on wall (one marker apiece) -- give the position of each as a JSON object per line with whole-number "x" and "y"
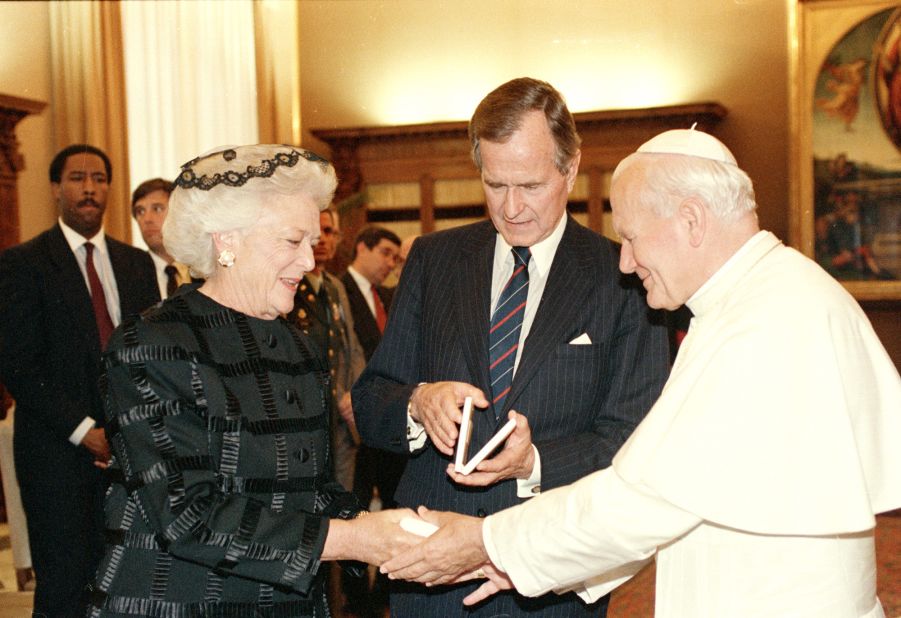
{"x": 846, "y": 142}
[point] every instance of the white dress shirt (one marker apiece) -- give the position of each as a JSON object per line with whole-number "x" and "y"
{"x": 107, "y": 278}
{"x": 365, "y": 287}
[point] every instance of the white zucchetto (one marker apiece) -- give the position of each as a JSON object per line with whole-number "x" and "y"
{"x": 689, "y": 142}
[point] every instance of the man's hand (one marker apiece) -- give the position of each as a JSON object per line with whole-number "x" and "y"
{"x": 515, "y": 460}
{"x": 453, "y": 553}
{"x": 437, "y": 407}
{"x": 95, "y": 441}
{"x": 497, "y": 581}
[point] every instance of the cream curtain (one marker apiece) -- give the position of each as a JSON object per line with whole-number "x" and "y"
{"x": 191, "y": 82}
{"x": 277, "y": 31}
{"x": 189, "y": 74}
{"x": 88, "y": 92}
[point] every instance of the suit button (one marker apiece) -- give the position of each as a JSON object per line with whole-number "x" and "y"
{"x": 482, "y": 513}
{"x": 290, "y": 397}
{"x": 271, "y": 341}
{"x": 303, "y": 455}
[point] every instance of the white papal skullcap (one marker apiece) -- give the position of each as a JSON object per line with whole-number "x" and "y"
{"x": 689, "y": 142}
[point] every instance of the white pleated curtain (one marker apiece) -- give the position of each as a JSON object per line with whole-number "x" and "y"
{"x": 157, "y": 83}
{"x": 190, "y": 82}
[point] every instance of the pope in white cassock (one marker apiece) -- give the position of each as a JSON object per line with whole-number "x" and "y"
{"x": 755, "y": 477}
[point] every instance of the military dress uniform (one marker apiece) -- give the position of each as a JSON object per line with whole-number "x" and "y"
{"x": 322, "y": 311}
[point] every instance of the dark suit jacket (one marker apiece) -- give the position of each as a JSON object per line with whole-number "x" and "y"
{"x": 582, "y": 401}
{"x": 364, "y": 322}
{"x": 49, "y": 346}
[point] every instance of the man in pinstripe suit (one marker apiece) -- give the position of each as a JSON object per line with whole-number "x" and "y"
{"x": 589, "y": 360}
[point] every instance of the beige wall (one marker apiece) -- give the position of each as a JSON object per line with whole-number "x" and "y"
{"x": 25, "y": 72}
{"x": 369, "y": 62}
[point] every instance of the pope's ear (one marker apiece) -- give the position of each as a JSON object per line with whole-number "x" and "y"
{"x": 694, "y": 216}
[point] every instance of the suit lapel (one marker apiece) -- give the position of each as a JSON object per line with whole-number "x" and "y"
{"x": 565, "y": 294}
{"x": 364, "y": 315}
{"x": 73, "y": 291}
{"x": 472, "y": 297}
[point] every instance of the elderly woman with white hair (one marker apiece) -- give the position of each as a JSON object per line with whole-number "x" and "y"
{"x": 223, "y": 502}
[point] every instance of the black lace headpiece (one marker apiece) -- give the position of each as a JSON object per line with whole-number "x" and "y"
{"x": 234, "y": 166}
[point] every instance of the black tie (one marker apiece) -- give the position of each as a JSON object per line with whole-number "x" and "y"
{"x": 171, "y": 283}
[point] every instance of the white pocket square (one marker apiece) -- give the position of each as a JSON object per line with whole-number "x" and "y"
{"x": 582, "y": 339}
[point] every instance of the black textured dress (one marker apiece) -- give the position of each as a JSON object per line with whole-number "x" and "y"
{"x": 221, "y": 481}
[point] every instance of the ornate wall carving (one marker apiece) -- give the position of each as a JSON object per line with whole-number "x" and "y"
{"x": 12, "y": 110}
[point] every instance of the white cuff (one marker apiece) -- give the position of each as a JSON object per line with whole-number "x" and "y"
{"x": 82, "y": 430}
{"x": 488, "y": 542}
{"x": 416, "y": 435}
{"x": 530, "y": 487}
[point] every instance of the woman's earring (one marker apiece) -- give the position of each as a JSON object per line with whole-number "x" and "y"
{"x": 226, "y": 258}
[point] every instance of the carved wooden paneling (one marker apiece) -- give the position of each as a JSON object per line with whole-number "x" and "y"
{"x": 12, "y": 110}
{"x": 427, "y": 153}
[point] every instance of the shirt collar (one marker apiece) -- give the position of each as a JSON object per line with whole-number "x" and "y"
{"x": 362, "y": 282}
{"x": 542, "y": 252}
{"x": 160, "y": 262}
{"x": 76, "y": 240}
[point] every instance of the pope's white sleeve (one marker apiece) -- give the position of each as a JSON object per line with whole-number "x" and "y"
{"x": 589, "y": 537}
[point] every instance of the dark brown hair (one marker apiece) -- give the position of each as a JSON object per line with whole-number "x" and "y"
{"x": 149, "y": 186}
{"x": 499, "y": 116}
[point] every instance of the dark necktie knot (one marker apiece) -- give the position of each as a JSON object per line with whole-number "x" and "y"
{"x": 521, "y": 255}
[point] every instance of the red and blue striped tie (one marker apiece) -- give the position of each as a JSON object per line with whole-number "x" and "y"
{"x": 506, "y": 325}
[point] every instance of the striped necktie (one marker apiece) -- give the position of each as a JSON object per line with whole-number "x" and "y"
{"x": 506, "y": 325}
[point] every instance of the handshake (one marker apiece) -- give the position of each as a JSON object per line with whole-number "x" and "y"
{"x": 443, "y": 548}
{"x": 434, "y": 547}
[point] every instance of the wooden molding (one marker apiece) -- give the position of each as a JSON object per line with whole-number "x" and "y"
{"x": 12, "y": 110}
{"x": 426, "y": 153}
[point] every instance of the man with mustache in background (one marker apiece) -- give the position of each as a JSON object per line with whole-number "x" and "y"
{"x": 61, "y": 295}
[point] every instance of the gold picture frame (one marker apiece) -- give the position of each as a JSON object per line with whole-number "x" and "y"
{"x": 845, "y": 124}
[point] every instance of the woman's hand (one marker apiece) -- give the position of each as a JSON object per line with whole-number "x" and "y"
{"x": 453, "y": 553}
{"x": 372, "y": 537}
